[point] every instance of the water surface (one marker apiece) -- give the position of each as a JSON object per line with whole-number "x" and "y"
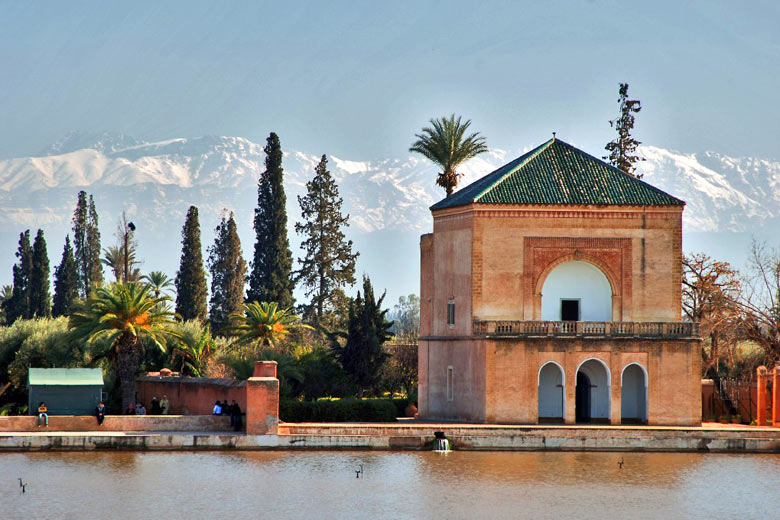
{"x": 317, "y": 485}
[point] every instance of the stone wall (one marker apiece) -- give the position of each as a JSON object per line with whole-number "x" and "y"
{"x": 118, "y": 423}
{"x": 190, "y": 395}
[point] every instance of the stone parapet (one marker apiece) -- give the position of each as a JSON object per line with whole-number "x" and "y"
{"x": 117, "y": 423}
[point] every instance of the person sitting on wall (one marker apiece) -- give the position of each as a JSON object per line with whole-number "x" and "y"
{"x": 43, "y": 413}
{"x": 155, "y": 406}
{"x": 225, "y": 408}
{"x": 217, "y": 408}
{"x": 130, "y": 410}
{"x": 235, "y": 416}
{"x": 140, "y": 409}
{"x": 100, "y": 413}
{"x": 164, "y": 405}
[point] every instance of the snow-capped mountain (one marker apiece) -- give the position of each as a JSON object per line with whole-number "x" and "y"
{"x": 387, "y": 199}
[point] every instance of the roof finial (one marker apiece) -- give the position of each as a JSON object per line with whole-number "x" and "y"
{"x": 553, "y": 136}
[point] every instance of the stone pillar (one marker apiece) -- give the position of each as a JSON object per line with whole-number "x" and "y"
{"x": 761, "y": 396}
{"x": 262, "y": 400}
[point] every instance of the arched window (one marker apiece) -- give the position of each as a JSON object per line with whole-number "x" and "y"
{"x": 592, "y": 394}
{"x": 576, "y": 291}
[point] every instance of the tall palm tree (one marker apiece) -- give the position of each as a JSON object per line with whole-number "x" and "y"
{"x": 126, "y": 315}
{"x": 158, "y": 280}
{"x": 445, "y": 143}
{"x": 114, "y": 258}
{"x": 264, "y": 324}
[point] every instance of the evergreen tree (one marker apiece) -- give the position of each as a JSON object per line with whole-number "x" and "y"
{"x": 362, "y": 354}
{"x": 66, "y": 282}
{"x": 86, "y": 242}
{"x": 622, "y": 150}
{"x": 95, "y": 268}
{"x": 228, "y": 274}
{"x": 80, "y": 243}
{"x": 40, "y": 293}
{"x": 18, "y": 306}
{"x": 191, "y": 277}
{"x": 329, "y": 263}
{"x": 270, "y": 279}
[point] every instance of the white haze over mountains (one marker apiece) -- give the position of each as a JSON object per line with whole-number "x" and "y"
{"x": 387, "y": 200}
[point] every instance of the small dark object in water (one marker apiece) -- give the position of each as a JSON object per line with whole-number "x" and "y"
{"x": 620, "y": 462}
{"x": 359, "y": 472}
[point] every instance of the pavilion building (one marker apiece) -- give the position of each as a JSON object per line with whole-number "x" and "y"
{"x": 551, "y": 292}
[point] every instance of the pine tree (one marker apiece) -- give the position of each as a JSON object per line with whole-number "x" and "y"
{"x": 40, "y": 293}
{"x": 18, "y": 306}
{"x": 86, "y": 242}
{"x": 362, "y": 354}
{"x": 66, "y": 282}
{"x": 228, "y": 274}
{"x": 191, "y": 278}
{"x": 622, "y": 150}
{"x": 270, "y": 279}
{"x": 95, "y": 267}
{"x": 329, "y": 263}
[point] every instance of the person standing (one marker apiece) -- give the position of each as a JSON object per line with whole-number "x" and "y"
{"x": 225, "y": 408}
{"x": 43, "y": 414}
{"x": 100, "y": 413}
{"x": 235, "y": 416}
{"x": 164, "y": 405}
{"x": 155, "y": 406}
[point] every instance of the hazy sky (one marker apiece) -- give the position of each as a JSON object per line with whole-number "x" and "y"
{"x": 358, "y": 79}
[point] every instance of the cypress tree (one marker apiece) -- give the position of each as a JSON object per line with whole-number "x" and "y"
{"x": 329, "y": 263}
{"x": 86, "y": 242}
{"x": 66, "y": 282}
{"x": 622, "y": 150}
{"x": 191, "y": 276}
{"x": 95, "y": 267}
{"x": 18, "y": 306}
{"x": 80, "y": 243}
{"x": 270, "y": 279}
{"x": 40, "y": 293}
{"x": 362, "y": 355}
{"x": 228, "y": 274}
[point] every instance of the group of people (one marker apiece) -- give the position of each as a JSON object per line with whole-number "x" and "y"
{"x": 233, "y": 410}
{"x": 159, "y": 407}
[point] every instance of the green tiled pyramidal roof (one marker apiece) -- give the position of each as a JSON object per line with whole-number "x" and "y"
{"x": 558, "y": 173}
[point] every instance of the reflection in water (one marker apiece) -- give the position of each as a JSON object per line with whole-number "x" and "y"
{"x": 394, "y": 485}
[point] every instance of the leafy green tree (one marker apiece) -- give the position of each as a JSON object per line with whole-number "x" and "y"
{"x": 66, "y": 282}
{"x": 329, "y": 263}
{"x": 126, "y": 316}
{"x": 406, "y": 314}
{"x": 264, "y": 324}
{"x": 446, "y": 144}
{"x": 622, "y": 150}
{"x": 360, "y": 350}
{"x": 40, "y": 295}
{"x": 228, "y": 274}
{"x": 18, "y": 306}
{"x": 95, "y": 268}
{"x": 159, "y": 282}
{"x": 6, "y": 293}
{"x": 191, "y": 292}
{"x": 271, "y": 278}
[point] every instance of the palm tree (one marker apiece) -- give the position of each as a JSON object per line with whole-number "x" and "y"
{"x": 446, "y": 144}
{"x": 194, "y": 347}
{"x": 125, "y": 315}
{"x": 158, "y": 280}
{"x": 264, "y": 324}
{"x": 114, "y": 258}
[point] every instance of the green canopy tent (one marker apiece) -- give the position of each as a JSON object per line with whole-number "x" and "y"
{"x": 66, "y": 391}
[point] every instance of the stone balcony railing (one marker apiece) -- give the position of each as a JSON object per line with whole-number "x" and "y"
{"x": 642, "y": 329}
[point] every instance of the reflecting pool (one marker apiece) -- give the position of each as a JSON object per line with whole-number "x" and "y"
{"x": 309, "y": 484}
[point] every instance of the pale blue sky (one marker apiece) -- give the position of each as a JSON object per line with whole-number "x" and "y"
{"x": 358, "y": 79}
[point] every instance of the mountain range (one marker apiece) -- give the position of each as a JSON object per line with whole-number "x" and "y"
{"x": 729, "y": 199}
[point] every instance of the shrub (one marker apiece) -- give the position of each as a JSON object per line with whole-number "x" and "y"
{"x": 342, "y": 410}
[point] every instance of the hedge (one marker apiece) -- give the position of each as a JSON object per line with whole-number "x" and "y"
{"x": 342, "y": 410}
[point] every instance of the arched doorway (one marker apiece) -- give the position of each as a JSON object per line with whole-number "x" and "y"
{"x": 551, "y": 381}
{"x": 576, "y": 291}
{"x": 592, "y": 396}
{"x": 633, "y": 395}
